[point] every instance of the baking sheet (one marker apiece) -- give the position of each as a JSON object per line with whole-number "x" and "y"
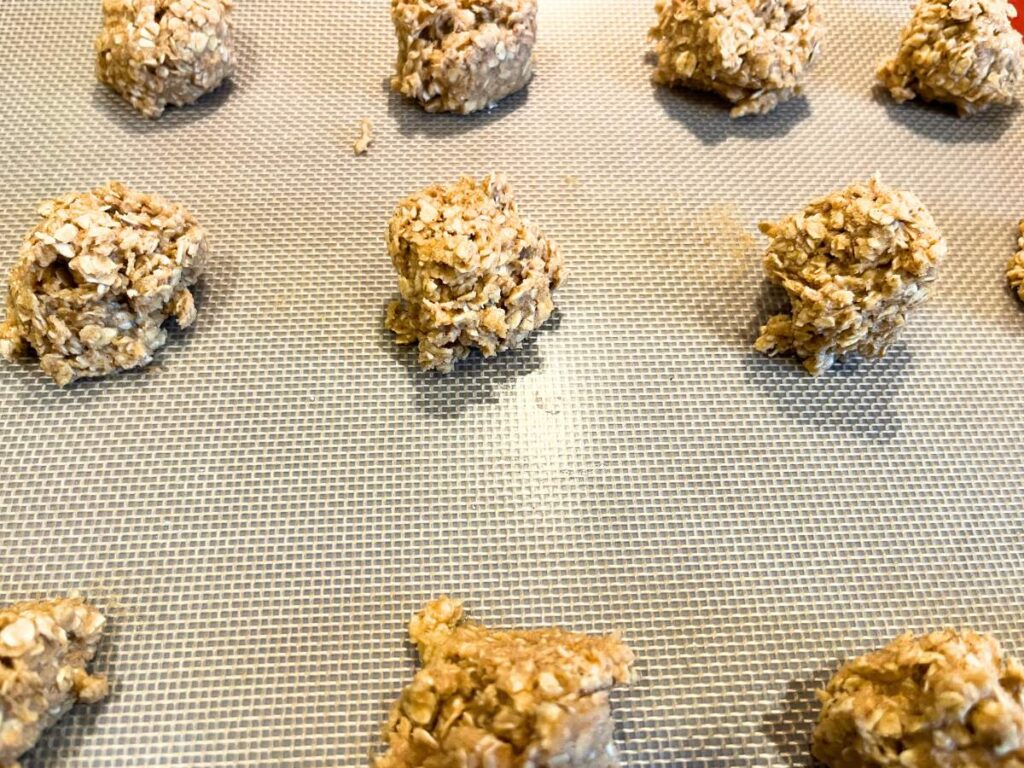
{"x": 262, "y": 509}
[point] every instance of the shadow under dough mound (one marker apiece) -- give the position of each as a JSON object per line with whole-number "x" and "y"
{"x": 706, "y": 116}
{"x": 855, "y": 396}
{"x": 122, "y": 113}
{"x": 789, "y": 727}
{"x": 939, "y": 122}
{"x": 35, "y": 379}
{"x": 475, "y": 381}
{"x": 771, "y": 300}
{"x": 412, "y": 120}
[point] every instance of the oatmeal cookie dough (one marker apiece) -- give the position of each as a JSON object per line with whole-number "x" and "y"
{"x": 44, "y": 650}
{"x": 517, "y": 699}
{"x": 963, "y": 52}
{"x": 755, "y": 53}
{"x": 1015, "y": 269}
{"x": 947, "y": 699}
{"x": 856, "y": 265}
{"x": 472, "y": 273}
{"x": 159, "y": 52}
{"x": 463, "y": 55}
{"x": 97, "y": 278}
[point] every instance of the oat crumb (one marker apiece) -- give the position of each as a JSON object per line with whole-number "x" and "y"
{"x": 365, "y": 137}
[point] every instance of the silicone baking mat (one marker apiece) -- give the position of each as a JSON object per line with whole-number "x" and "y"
{"x": 262, "y": 509}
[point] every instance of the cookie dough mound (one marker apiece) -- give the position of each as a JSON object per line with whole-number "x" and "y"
{"x": 472, "y": 272}
{"x": 44, "y": 649}
{"x": 159, "y": 52}
{"x": 944, "y": 700}
{"x": 463, "y": 55}
{"x": 755, "y": 53}
{"x": 505, "y": 699}
{"x": 964, "y": 52}
{"x": 855, "y": 265}
{"x": 1015, "y": 269}
{"x": 96, "y": 279}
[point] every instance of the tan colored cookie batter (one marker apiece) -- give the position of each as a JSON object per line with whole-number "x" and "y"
{"x": 1015, "y": 269}
{"x": 755, "y": 53}
{"x": 964, "y": 52}
{"x": 856, "y": 265}
{"x": 159, "y": 52}
{"x": 517, "y": 699}
{"x": 943, "y": 700}
{"x": 472, "y": 273}
{"x": 96, "y": 279}
{"x": 44, "y": 650}
{"x": 463, "y": 55}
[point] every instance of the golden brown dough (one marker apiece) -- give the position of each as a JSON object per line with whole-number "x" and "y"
{"x": 44, "y": 650}
{"x": 160, "y": 52}
{"x": 755, "y": 53}
{"x": 494, "y": 699}
{"x": 463, "y": 55}
{"x": 963, "y": 52}
{"x": 97, "y": 278}
{"x": 1015, "y": 269}
{"x": 856, "y": 266}
{"x": 947, "y": 699}
{"x": 473, "y": 274}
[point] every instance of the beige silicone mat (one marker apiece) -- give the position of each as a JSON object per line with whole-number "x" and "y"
{"x": 263, "y": 508}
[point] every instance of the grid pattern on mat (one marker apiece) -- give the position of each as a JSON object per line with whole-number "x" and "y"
{"x": 262, "y": 509}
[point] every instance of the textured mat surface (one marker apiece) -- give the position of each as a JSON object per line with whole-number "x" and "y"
{"x": 262, "y": 509}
